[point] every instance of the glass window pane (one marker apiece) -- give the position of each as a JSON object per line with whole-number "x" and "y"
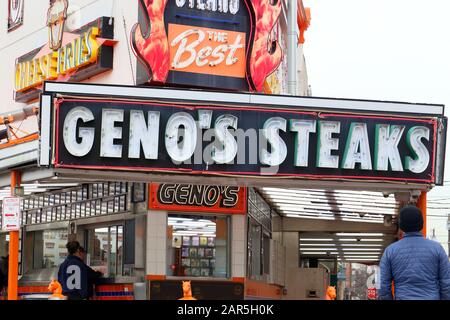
{"x": 113, "y": 251}
{"x": 49, "y": 248}
{"x": 98, "y": 244}
{"x": 119, "y": 250}
{"x": 198, "y": 246}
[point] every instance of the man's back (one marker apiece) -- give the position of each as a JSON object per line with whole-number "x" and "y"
{"x": 72, "y": 276}
{"x": 419, "y": 268}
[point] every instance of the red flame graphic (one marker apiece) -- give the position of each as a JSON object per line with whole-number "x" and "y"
{"x": 150, "y": 41}
{"x": 151, "y": 46}
{"x": 266, "y": 53}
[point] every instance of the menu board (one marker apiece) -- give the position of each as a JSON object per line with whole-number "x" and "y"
{"x": 198, "y": 256}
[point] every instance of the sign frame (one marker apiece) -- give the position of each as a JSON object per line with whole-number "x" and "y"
{"x": 240, "y": 207}
{"x": 233, "y": 100}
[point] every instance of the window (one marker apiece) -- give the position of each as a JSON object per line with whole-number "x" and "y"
{"x": 49, "y": 248}
{"x": 104, "y": 247}
{"x": 258, "y": 236}
{"x": 198, "y": 246}
{"x": 258, "y": 251}
{"x": 4, "y": 244}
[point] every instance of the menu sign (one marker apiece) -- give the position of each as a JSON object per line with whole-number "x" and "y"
{"x": 11, "y": 214}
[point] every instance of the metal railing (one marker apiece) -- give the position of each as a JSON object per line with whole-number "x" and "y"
{"x": 84, "y": 201}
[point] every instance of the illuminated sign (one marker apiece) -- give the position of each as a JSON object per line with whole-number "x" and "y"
{"x": 194, "y": 49}
{"x": 198, "y": 198}
{"x": 214, "y": 139}
{"x": 219, "y": 43}
{"x": 80, "y": 55}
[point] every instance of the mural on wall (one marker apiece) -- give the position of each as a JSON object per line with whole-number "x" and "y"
{"x": 15, "y": 14}
{"x": 223, "y": 44}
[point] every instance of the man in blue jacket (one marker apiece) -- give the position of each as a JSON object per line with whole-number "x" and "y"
{"x": 419, "y": 267}
{"x": 74, "y": 275}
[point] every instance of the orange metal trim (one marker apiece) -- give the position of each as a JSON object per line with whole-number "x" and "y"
{"x": 422, "y": 205}
{"x": 13, "y": 267}
{"x": 262, "y": 290}
{"x": 154, "y": 277}
{"x": 238, "y": 279}
{"x": 31, "y": 137}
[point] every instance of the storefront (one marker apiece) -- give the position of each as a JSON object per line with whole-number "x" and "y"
{"x": 201, "y": 240}
{"x": 106, "y": 221}
{"x": 165, "y": 183}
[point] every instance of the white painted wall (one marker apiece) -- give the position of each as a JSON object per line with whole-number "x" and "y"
{"x": 238, "y": 246}
{"x": 33, "y": 34}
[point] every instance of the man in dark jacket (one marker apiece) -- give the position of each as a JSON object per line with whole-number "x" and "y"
{"x": 93, "y": 275}
{"x": 419, "y": 267}
{"x": 74, "y": 275}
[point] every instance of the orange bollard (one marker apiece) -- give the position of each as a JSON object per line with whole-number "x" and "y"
{"x": 56, "y": 288}
{"x": 187, "y": 291}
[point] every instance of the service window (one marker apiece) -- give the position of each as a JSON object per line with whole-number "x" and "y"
{"x": 110, "y": 249}
{"x": 198, "y": 246}
{"x": 49, "y": 248}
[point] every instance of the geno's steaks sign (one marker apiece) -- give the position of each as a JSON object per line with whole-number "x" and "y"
{"x": 250, "y": 140}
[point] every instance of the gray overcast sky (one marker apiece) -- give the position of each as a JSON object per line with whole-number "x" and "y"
{"x": 383, "y": 50}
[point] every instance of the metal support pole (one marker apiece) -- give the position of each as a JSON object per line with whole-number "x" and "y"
{"x": 292, "y": 47}
{"x": 422, "y": 205}
{"x": 13, "y": 267}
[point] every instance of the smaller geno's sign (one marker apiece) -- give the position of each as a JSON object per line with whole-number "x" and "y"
{"x": 11, "y": 214}
{"x": 198, "y": 198}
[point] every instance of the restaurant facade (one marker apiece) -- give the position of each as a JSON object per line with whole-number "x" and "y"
{"x": 176, "y": 140}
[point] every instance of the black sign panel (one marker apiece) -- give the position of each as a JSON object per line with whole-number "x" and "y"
{"x": 347, "y": 129}
{"x": 201, "y": 290}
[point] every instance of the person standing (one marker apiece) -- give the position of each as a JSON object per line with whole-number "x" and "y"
{"x": 73, "y": 274}
{"x": 93, "y": 275}
{"x": 419, "y": 268}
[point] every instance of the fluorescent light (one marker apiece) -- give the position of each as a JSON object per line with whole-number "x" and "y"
{"x": 359, "y": 234}
{"x": 318, "y": 253}
{"x": 360, "y": 245}
{"x": 318, "y": 239}
{"x": 315, "y": 244}
{"x": 320, "y": 249}
{"x": 362, "y": 240}
{"x": 361, "y": 259}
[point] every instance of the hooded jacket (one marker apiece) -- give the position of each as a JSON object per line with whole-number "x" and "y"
{"x": 419, "y": 268}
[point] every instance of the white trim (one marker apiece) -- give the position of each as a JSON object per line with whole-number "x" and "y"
{"x": 44, "y": 143}
{"x": 208, "y": 96}
{"x": 18, "y": 154}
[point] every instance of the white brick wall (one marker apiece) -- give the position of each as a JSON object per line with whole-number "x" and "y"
{"x": 238, "y": 246}
{"x": 156, "y": 242}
